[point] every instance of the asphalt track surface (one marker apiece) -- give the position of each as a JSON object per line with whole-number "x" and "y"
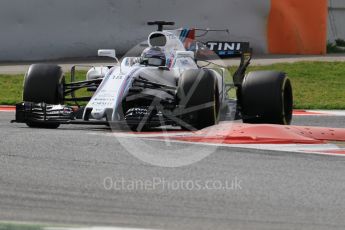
{"x": 57, "y": 176}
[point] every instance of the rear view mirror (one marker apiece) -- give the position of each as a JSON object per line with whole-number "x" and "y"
{"x": 107, "y": 53}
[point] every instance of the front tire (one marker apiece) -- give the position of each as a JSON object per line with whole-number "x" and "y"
{"x": 266, "y": 97}
{"x": 198, "y": 99}
{"x": 43, "y": 83}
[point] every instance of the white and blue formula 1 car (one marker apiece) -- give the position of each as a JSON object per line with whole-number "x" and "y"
{"x": 164, "y": 86}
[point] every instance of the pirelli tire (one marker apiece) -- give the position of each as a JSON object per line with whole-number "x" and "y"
{"x": 198, "y": 97}
{"x": 43, "y": 83}
{"x": 266, "y": 97}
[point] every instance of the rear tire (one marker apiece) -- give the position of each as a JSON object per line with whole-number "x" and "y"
{"x": 199, "y": 99}
{"x": 266, "y": 97}
{"x": 43, "y": 83}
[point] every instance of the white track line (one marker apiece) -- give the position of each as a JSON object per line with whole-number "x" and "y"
{"x": 317, "y": 149}
{"x": 329, "y": 112}
{"x": 319, "y": 113}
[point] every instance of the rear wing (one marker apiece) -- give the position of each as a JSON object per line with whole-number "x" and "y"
{"x": 223, "y": 49}
{"x": 228, "y": 49}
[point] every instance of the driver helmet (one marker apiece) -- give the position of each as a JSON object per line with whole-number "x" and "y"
{"x": 153, "y": 56}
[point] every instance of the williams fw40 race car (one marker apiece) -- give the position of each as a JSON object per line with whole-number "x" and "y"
{"x": 163, "y": 86}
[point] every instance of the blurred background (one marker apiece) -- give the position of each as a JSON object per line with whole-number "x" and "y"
{"x": 49, "y": 30}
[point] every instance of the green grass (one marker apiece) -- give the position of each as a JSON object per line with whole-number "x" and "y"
{"x": 12, "y": 226}
{"x": 317, "y": 85}
{"x": 12, "y": 87}
{"x": 79, "y": 76}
